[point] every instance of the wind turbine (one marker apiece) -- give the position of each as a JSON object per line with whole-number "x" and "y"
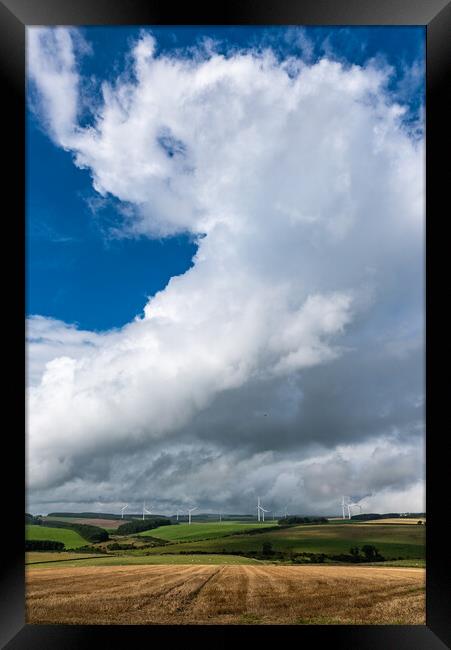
{"x": 145, "y": 510}
{"x": 353, "y": 505}
{"x": 260, "y": 511}
{"x": 286, "y": 511}
{"x": 190, "y": 510}
{"x": 122, "y": 510}
{"x": 344, "y": 503}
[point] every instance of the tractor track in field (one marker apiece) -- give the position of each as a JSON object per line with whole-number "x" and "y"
{"x": 177, "y": 597}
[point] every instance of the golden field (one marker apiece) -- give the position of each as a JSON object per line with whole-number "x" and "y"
{"x": 225, "y": 594}
{"x": 397, "y": 521}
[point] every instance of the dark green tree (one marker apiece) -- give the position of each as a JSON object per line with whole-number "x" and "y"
{"x": 138, "y": 526}
{"x": 371, "y": 553}
{"x": 267, "y": 548}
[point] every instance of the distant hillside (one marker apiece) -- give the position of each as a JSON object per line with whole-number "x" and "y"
{"x": 207, "y": 517}
{"x": 139, "y": 526}
{"x": 99, "y": 515}
{"x": 85, "y": 515}
{"x": 90, "y": 533}
{"x": 388, "y": 515}
{"x": 31, "y": 519}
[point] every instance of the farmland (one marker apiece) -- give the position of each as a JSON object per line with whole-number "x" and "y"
{"x": 69, "y": 560}
{"x": 70, "y": 538}
{"x": 398, "y": 521}
{"x": 202, "y": 531}
{"x": 392, "y": 541}
{"x": 108, "y": 524}
{"x": 41, "y": 557}
{"x": 225, "y": 595}
{"x": 230, "y": 572}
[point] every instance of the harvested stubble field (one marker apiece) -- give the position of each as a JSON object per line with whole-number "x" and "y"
{"x": 163, "y": 594}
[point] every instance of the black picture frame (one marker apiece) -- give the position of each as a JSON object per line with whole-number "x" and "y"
{"x": 435, "y": 15}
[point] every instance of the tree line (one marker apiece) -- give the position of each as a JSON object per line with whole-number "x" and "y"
{"x": 43, "y": 545}
{"x": 296, "y": 519}
{"x": 139, "y": 526}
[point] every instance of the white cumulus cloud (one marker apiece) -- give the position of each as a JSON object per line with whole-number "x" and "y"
{"x": 306, "y": 198}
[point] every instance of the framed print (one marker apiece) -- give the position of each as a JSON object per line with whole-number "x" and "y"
{"x": 232, "y": 422}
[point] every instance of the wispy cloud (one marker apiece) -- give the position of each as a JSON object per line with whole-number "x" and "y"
{"x": 42, "y": 230}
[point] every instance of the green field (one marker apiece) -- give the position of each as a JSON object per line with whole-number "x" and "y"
{"x": 201, "y": 531}
{"x": 125, "y": 560}
{"x": 224, "y": 542}
{"x": 70, "y": 538}
{"x": 392, "y": 541}
{"x": 38, "y": 557}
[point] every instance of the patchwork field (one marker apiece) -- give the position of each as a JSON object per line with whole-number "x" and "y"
{"x": 200, "y": 531}
{"x": 407, "y": 542}
{"x": 70, "y": 538}
{"x": 203, "y": 573}
{"x": 108, "y": 524}
{"x": 202, "y": 594}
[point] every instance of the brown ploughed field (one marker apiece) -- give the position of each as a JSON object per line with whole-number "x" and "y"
{"x": 221, "y": 594}
{"x": 111, "y": 524}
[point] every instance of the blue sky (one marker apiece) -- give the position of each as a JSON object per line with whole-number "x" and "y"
{"x": 78, "y": 271}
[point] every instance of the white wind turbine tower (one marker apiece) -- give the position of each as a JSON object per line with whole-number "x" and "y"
{"x": 145, "y": 510}
{"x": 190, "y": 510}
{"x": 353, "y": 505}
{"x": 344, "y": 504}
{"x": 122, "y": 510}
{"x": 260, "y": 511}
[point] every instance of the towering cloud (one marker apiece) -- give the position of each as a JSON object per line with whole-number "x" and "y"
{"x": 295, "y": 340}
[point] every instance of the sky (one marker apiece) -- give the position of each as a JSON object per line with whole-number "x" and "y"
{"x": 225, "y": 268}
